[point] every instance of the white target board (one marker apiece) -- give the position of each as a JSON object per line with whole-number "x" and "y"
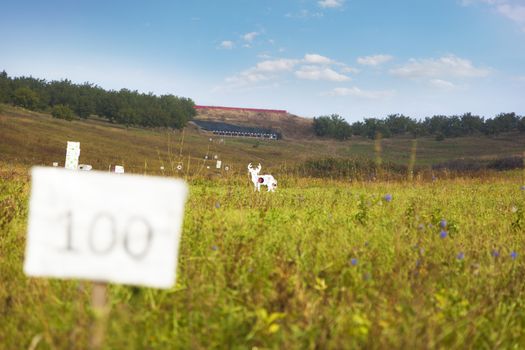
{"x": 119, "y": 169}
{"x": 98, "y": 226}
{"x": 72, "y": 155}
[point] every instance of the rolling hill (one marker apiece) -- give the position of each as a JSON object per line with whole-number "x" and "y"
{"x": 29, "y": 138}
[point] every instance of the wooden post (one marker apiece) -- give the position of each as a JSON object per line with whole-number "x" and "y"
{"x": 523, "y": 173}
{"x": 99, "y": 304}
{"x": 378, "y": 150}
{"x": 412, "y": 162}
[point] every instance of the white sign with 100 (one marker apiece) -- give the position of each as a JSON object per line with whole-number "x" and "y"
{"x": 102, "y": 227}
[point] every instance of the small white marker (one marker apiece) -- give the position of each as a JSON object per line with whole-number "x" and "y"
{"x": 119, "y": 169}
{"x": 85, "y": 167}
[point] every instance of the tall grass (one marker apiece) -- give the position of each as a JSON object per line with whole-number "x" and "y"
{"x": 320, "y": 264}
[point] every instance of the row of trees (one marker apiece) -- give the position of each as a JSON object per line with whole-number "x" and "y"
{"x": 333, "y": 126}
{"x": 63, "y": 99}
{"x": 439, "y": 126}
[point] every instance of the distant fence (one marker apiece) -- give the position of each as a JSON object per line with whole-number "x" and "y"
{"x": 224, "y": 129}
{"x": 280, "y": 111}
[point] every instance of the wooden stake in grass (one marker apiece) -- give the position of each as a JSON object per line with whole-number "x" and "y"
{"x": 412, "y": 161}
{"x": 99, "y": 304}
{"x": 378, "y": 151}
{"x": 188, "y": 167}
{"x": 523, "y": 174}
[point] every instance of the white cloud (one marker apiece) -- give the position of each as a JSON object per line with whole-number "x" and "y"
{"x": 357, "y": 92}
{"x": 374, "y": 60}
{"x": 227, "y": 44}
{"x": 264, "y": 56}
{"x": 513, "y": 10}
{"x": 283, "y": 64}
{"x": 262, "y": 71}
{"x": 312, "y": 67}
{"x": 249, "y": 37}
{"x": 320, "y": 73}
{"x": 316, "y": 59}
{"x": 330, "y": 3}
{"x": 247, "y": 77}
{"x": 442, "y": 84}
{"x": 446, "y": 66}
{"x": 304, "y": 14}
{"x": 347, "y": 69}
{"x": 470, "y": 2}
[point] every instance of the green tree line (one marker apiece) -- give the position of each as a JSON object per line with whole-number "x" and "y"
{"x": 440, "y": 126}
{"x": 65, "y": 99}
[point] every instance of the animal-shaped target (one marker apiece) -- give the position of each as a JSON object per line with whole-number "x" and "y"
{"x": 261, "y": 180}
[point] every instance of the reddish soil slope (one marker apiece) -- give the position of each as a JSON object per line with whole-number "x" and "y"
{"x": 289, "y": 125}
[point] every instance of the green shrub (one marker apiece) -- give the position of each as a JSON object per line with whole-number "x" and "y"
{"x": 25, "y": 97}
{"x": 62, "y": 112}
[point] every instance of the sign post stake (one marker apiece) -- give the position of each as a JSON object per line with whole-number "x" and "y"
{"x": 101, "y": 308}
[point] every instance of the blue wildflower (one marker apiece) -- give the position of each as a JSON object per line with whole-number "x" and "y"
{"x": 443, "y": 234}
{"x": 443, "y": 223}
{"x": 460, "y": 256}
{"x": 353, "y": 261}
{"x": 388, "y": 197}
{"x": 495, "y": 253}
{"x": 522, "y": 188}
{"x": 217, "y": 205}
{"x": 513, "y": 255}
{"x": 214, "y": 247}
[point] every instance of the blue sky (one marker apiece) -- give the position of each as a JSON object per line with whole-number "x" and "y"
{"x": 357, "y": 58}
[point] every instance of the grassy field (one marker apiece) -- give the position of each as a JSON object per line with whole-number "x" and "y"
{"x": 316, "y": 265}
{"x": 313, "y": 266}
